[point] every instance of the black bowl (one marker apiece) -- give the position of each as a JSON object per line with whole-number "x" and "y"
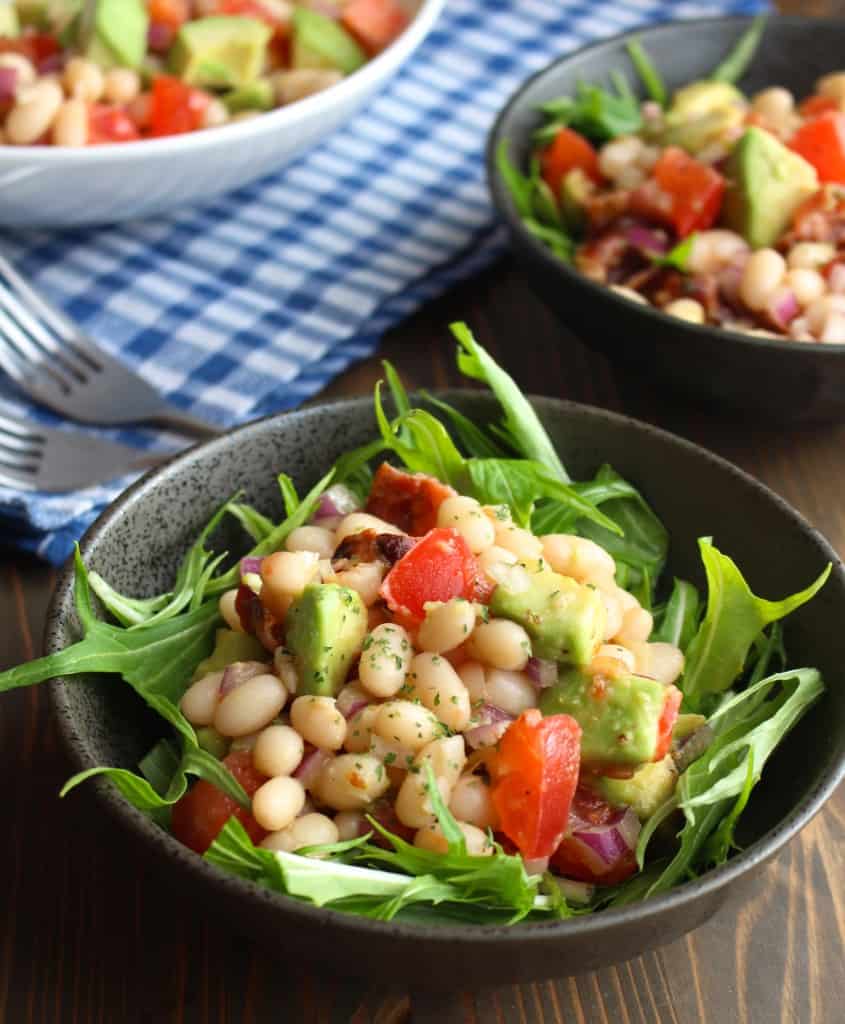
{"x": 137, "y": 543}
{"x": 778, "y": 380}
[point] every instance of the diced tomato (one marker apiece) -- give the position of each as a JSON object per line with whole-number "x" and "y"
{"x": 256, "y": 9}
{"x": 407, "y": 500}
{"x": 198, "y": 817}
{"x": 568, "y": 151}
{"x": 110, "y": 124}
{"x": 173, "y": 13}
{"x": 35, "y": 46}
{"x": 175, "y": 107}
{"x": 535, "y": 772}
{"x": 682, "y": 192}
{"x": 667, "y": 722}
{"x": 812, "y": 106}
{"x": 822, "y": 143}
{"x": 440, "y": 567}
{"x": 572, "y": 860}
{"x": 374, "y": 23}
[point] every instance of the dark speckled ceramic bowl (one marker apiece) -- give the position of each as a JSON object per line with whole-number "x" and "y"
{"x": 776, "y": 380}
{"x": 137, "y": 542}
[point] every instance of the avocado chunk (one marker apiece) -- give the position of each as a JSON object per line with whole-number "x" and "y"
{"x": 221, "y": 51}
{"x": 115, "y": 33}
{"x": 703, "y": 113}
{"x": 565, "y": 619}
{"x": 230, "y": 647}
{"x": 768, "y": 182}
{"x": 619, "y": 717}
{"x": 686, "y": 725}
{"x": 211, "y": 741}
{"x": 645, "y": 791}
{"x": 258, "y": 95}
{"x": 10, "y": 26}
{"x": 326, "y": 626}
{"x": 319, "y": 42}
{"x": 575, "y": 189}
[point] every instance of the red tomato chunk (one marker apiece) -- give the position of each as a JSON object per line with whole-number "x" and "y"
{"x": 407, "y": 500}
{"x": 110, "y": 124}
{"x": 535, "y": 773}
{"x": 201, "y": 813}
{"x": 568, "y": 151}
{"x": 822, "y": 143}
{"x": 667, "y": 722}
{"x": 374, "y": 23}
{"x": 682, "y": 192}
{"x": 176, "y": 108}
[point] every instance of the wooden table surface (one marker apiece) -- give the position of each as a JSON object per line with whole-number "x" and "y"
{"x": 86, "y": 934}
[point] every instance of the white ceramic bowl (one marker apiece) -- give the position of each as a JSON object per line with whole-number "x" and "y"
{"x": 49, "y": 186}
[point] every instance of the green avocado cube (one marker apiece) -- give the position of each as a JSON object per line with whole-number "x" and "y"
{"x": 230, "y": 647}
{"x": 220, "y": 52}
{"x": 326, "y": 626}
{"x": 116, "y": 35}
{"x": 258, "y": 95}
{"x": 767, "y": 183}
{"x": 319, "y": 42}
{"x": 645, "y": 791}
{"x": 10, "y": 26}
{"x": 619, "y": 718}
{"x": 565, "y": 619}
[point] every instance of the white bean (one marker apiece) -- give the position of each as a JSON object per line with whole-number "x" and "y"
{"x": 251, "y": 706}
{"x": 351, "y": 781}
{"x": 295, "y": 85}
{"x": 612, "y": 660}
{"x": 318, "y": 721}
{"x": 500, "y": 643}
{"x": 612, "y": 611}
{"x": 285, "y": 668}
{"x": 33, "y": 113}
{"x": 686, "y": 309}
{"x": 447, "y": 757}
{"x": 712, "y": 250}
{"x": 199, "y": 701}
{"x": 121, "y": 85}
{"x": 359, "y": 729}
{"x": 580, "y": 558}
{"x": 439, "y": 688}
{"x": 775, "y": 104}
{"x": 408, "y": 725}
{"x": 807, "y": 285}
{"x": 511, "y": 691}
{"x": 615, "y": 156}
{"x": 763, "y": 272}
{"x": 277, "y": 802}
{"x": 832, "y": 85}
{"x": 26, "y": 73}
{"x": 466, "y": 516}
{"x": 306, "y": 830}
{"x": 492, "y": 558}
{"x": 215, "y": 114}
{"x": 666, "y": 662}
{"x": 385, "y": 660}
{"x": 637, "y": 624}
{"x": 278, "y": 750}
{"x": 284, "y": 575}
{"x": 70, "y": 125}
{"x": 833, "y": 331}
{"x": 357, "y": 522}
{"x": 446, "y": 625}
{"x": 365, "y": 579}
{"x": 474, "y": 678}
{"x": 351, "y": 825}
{"x": 519, "y": 542}
{"x": 471, "y": 801}
{"x": 83, "y": 80}
{"x": 810, "y": 255}
{"x": 430, "y": 837}
{"x": 451, "y": 509}
{"x": 818, "y": 312}
{"x": 629, "y": 293}
{"x": 413, "y": 807}
{"x": 311, "y": 538}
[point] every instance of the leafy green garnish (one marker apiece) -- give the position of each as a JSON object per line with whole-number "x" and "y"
{"x": 597, "y": 113}
{"x": 733, "y": 67}
{"x": 678, "y": 257}
{"x": 735, "y": 617}
{"x": 255, "y": 523}
{"x": 679, "y": 619}
{"x": 649, "y": 75}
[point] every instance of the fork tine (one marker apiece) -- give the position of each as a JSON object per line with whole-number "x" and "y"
{"x": 21, "y": 344}
{"x": 10, "y": 361}
{"x": 13, "y": 426}
{"x": 64, "y": 327}
{"x": 36, "y": 331}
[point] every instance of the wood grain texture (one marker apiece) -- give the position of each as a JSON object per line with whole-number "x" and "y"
{"x": 89, "y": 934}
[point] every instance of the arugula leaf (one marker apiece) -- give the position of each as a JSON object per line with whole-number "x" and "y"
{"x": 733, "y": 67}
{"x": 255, "y": 523}
{"x": 677, "y": 257}
{"x": 595, "y": 112}
{"x": 719, "y": 845}
{"x": 750, "y": 724}
{"x": 473, "y": 438}
{"x": 679, "y": 619}
{"x": 159, "y": 765}
{"x": 520, "y": 187}
{"x": 353, "y": 470}
{"x": 521, "y": 424}
{"x": 734, "y": 619}
{"x": 645, "y": 68}
{"x": 289, "y": 495}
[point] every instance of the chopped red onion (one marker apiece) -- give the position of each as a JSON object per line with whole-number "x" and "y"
{"x": 249, "y": 565}
{"x": 783, "y": 307}
{"x": 729, "y": 279}
{"x": 8, "y": 83}
{"x": 239, "y": 672}
{"x": 50, "y": 65}
{"x": 541, "y": 672}
{"x": 647, "y": 239}
{"x": 311, "y": 765}
{"x": 575, "y": 892}
{"x": 350, "y": 700}
{"x": 338, "y": 500}
{"x": 602, "y": 846}
{"x": 159, "y": 36}
{"x": 537, "y": 866}
{"x": 491, "y": 725}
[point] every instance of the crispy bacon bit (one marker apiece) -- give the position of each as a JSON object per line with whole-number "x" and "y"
{"x": 369, "y": 546}
{"x": 603, "y": 208}
{"x": 257, "y": 620}
{"x": 392, "y": 546}
{"x": 407, "y": 500}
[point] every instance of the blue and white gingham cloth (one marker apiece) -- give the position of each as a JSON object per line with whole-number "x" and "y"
{"x": 251, "y": 304}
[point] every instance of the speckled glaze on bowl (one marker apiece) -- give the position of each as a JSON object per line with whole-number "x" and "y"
{"x": 777, "y": 380}
{"x": 137, "y": 542}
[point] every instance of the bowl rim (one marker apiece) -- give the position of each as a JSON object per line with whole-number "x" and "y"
{"x": 504, "y": 206}
{"x": 687, "y": 894}
{"x": 281, "y": 119}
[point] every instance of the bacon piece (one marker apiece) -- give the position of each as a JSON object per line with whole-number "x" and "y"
{"x": 407, "y": 500}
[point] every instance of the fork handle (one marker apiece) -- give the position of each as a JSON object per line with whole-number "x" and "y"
{"x": 190, "y": 426}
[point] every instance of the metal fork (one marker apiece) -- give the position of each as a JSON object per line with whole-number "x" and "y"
{"x": 52, "y": 361}
{"x": 36, "y": 458}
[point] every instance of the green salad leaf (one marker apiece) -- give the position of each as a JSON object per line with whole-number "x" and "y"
{"x": 678, "y": 257}
{"x": 678, "y": 621}
{"x": 255, "y": 523}
{"x": 649, "y": 75}
{"x": 734, "y": 619}
{"x": 733, "y": 67}
{"x": 597, "y": 113}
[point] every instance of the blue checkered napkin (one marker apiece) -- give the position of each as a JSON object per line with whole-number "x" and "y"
{"x": 252, "y": 303}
